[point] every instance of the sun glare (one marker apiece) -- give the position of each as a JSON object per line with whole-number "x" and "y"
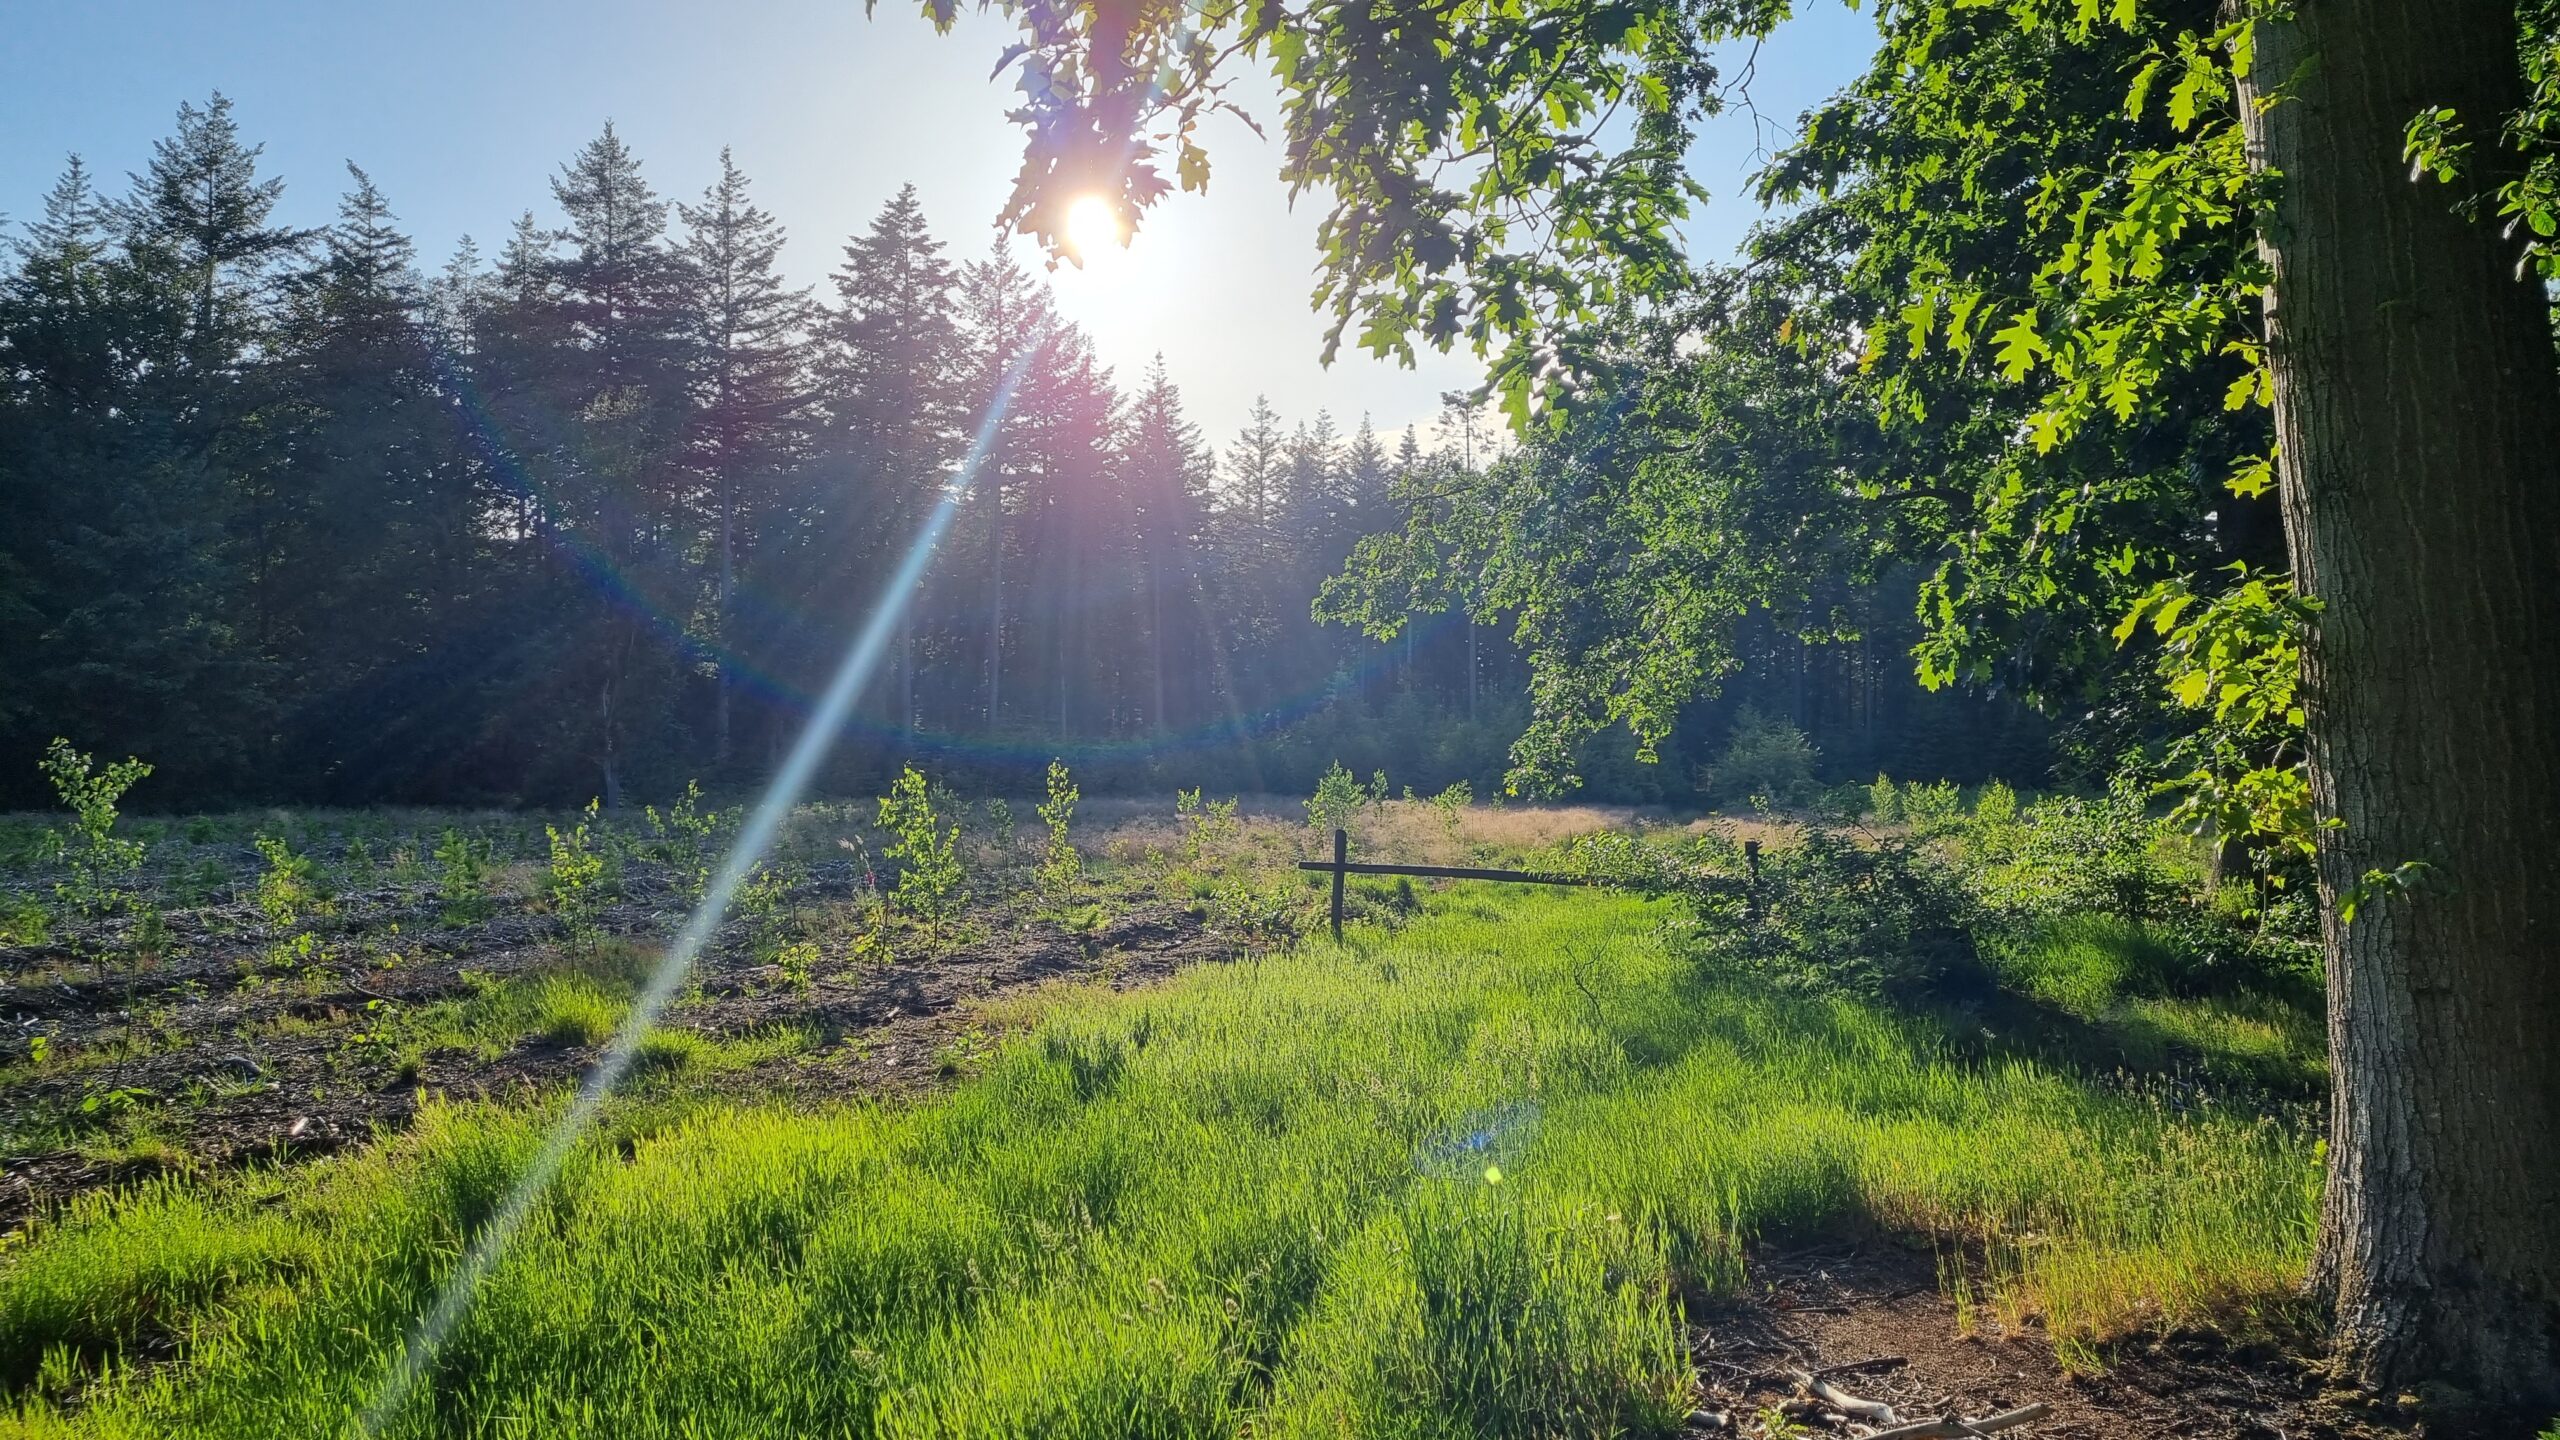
{"x": 1093, "y": 227}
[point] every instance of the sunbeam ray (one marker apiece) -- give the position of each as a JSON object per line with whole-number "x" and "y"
{"x": 834, "y": 705}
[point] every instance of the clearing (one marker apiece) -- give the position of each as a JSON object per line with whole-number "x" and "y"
{"x": 1507, "y": 1162}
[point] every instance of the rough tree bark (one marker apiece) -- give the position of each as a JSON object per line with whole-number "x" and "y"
{"x": 2418, "y": 407}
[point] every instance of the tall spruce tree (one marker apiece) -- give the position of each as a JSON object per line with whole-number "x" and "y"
{"x": 1167, "y": 472}
{"x": 384, "y": 514}
{"x": 1073, "y": 523}
{"x": 620, "y": 291}
{"x": 200, "y": 214}
{"x": 174, "y": 507}
{"x": 894, "y": 403}
{"x": 748, "y": 355}
{"x": 1007, "y": 315}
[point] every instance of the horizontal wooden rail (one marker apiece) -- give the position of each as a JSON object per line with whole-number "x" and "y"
{"x": 1340, "y": 866}
{"x": 1455, "y": 872}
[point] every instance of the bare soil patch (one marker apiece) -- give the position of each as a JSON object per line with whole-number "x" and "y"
{"x": 229, "y": 1075}
{"x": 1872, "y": 1318}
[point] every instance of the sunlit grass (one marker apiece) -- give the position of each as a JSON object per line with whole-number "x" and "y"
{"x": 1446, "y": 1181}
{"x": 2114, "y": 973}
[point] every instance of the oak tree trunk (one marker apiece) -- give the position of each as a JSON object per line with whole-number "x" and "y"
{"x": 2418, "y": 411}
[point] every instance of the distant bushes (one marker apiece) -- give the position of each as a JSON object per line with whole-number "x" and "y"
{"x": 2080, "y": 902}
{"x": 1766, "y": 759}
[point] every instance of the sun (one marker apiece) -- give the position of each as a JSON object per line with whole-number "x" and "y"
{"x": 1093, "y": 227}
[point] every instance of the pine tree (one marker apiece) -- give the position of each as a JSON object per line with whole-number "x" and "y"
{"x": 620, "y": 290}
{"x": 619, "y": 282}
{"x": 456, "y": 298}
{"x": 1364, "y": 477}
{"x": 380, "y": 508}
{"x": 1408, "y": 464}
{"x": 1073, "y": 519}
{"x": 200, "y": 211}
{"x": 1256, "y": 468}
{"x": 750, "y": 388}
{"x": 519, "y": 380}
{"x": 893, "y": 404}
{"x": 1167, "y": 471}
{"x": 198, "y": 229}
{"x": 1007, "y": 315}
{"x": 59, "y": 379}
{"x": 119, "y": 590}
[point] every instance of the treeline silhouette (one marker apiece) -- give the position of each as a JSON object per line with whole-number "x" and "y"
{"x": 297, "y": 521}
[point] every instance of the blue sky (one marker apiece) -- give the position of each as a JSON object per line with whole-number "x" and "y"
{"x": 463, "y": 110}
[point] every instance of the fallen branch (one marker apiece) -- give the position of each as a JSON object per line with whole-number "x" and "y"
{"x": 1853, "y": 1406}
{"x": 1880, "y": 1362}
{"x": 1951, "y": 1427}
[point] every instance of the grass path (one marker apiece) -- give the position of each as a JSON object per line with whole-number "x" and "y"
{"x": 1447, "y": 1181}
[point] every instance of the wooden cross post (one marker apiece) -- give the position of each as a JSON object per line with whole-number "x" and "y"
{"x": 1341, "y": 867}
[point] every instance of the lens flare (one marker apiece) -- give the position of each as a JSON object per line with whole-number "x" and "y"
{"x": 826, "y": 718}
{"x": 1093, "y": 228}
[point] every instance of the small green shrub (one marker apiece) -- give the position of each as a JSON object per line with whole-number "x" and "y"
{"x": 927, "y": 852}
{"x": 1831, "y": 914}
{"x": 99, "y": 862}
{"x": 462, "y": 877}
{"x": 1932, "y": 807}
{"x": 1338, "y": 801}
{"x": 24, "y": 921}
{"x": 1884, "y": 802}
{"x": 765, "y": 900}
{"x": 1206, "y": 828}
{"x": 290, "y": 885}
{"x": 575, "y": 880}
{"x": 1060, "y": 866}
{"x": 1451, "y": 807}
{"x": 149, "y": 938}
{"x": 358, "y": 862}
{"x": 1995, "y": 804}
{"x": 687, "y": 838}
{"x": 1767, "y": 757}
{"x": 2069, "y": 853}
{"x": 798, "y": 962}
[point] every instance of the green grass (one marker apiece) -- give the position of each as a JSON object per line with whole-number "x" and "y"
{"x": 2116, "y": 974}
{"x": 1449, "y": 1181}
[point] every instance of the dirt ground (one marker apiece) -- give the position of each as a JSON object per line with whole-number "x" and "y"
{"x": 271, "y": 1072}
{"x": 211, "y": 1053}
{"x": 1871, "y": 1319}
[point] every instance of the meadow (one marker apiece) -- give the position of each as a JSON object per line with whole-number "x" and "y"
{"x": 1468, "y": 1173}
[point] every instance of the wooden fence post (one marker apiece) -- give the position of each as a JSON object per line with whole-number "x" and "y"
{"x": 1341, "y": 867}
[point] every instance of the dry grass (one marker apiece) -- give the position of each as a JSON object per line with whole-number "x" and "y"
{"x": 1412, "y": 830}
